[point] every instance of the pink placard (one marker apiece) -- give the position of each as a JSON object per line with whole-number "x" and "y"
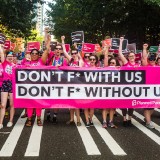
{"x": 67, "y": 47}
{"x": 88, "y": 47}
{"x": 33, "y": 45}
{"x": 7, "y": 44}
{"x": 70, "y": 87}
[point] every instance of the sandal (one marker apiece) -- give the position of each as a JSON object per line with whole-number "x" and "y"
{"x": 29, "y": 123}
{"x": 39, "y": 122}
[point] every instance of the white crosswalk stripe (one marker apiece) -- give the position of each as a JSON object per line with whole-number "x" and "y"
{"x": 145, "y": 130}
{"x": 90, "y": 146}
{"x": 11, "y": 142}
{"x": 33, "y": 147}
{"x": 108, "y": 139}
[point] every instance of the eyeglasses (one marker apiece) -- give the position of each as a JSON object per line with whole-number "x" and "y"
{"x": 86, "y": 56}
{"x": 73, "y": 53}
{"x": 36, "y": 53}
{"x": 92, "y": 59}
{"x": 58, "y": 48}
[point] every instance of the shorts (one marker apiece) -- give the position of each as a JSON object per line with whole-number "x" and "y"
{"x": 7, "y": 86}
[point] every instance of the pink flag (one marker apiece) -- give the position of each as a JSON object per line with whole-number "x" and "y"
{"x": 7, "y": 44}
{"x": 33, "y": 45}
{"x": 88, "y": 47}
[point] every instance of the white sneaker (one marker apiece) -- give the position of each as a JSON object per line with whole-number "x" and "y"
{"x": 1, "y": 126}
{"x": 150, "y": 125}
{"x": 9, "y": 124}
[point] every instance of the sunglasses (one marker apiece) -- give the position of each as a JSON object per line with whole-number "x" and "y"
{"x": 92, "y": 59}
{"x": 112, "y": 63}
{"x": 86, "y": 56}
{"x": 73, "y": 53}
{"x": 58, "y": 48}
{"x": 36, "y": 53}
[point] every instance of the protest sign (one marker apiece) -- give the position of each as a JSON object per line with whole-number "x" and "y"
{"x": 2, "y": 38}
{"x": 116, "y": 42}
{"x": 33, "y": 45}
{"x": 153, "y": 49}
{"x": 97, "y": 48}
{"x": 131, "y": 47}
{"x": 106, "y": 42}
{"x": 88, "y": 47}
{"x": 52, "y": 45}
{"x": 67, "y": 46}
{"x": 70, "y": 87}
{"x": 13, "y": 45}
{"x": 77, "y": 37}
{"x": 7, "y": 44}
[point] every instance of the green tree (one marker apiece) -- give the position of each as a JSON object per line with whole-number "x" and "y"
{"x": 137, "y": 20}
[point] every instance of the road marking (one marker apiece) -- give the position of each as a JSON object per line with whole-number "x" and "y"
{"x": 33, "y": 147}
{"x": 5, "y": 132}
{"x": 145, "y": 130}
{"x": 156, "y": 109}
{"x": 108, "y": 139}
{"x": 11, "y": 142}
{"x": 157, "y": 127}
{"x": 90, "y": 146}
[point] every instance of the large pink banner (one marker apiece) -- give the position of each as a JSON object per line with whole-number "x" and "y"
{"x": 69, "y": 87}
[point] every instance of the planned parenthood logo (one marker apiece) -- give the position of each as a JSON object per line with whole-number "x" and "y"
{"x": 137, "y": 102}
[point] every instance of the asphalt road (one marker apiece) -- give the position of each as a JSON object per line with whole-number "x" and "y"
{"x": 59, "y": 142}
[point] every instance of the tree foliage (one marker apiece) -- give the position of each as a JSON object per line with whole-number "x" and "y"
{"x": 138, "y": 20}
{"x": 17, "y": 16}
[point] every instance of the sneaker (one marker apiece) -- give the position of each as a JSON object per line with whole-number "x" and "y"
{"x": 9, "y": 124}
{"x": 78, "y": 124}
{"x": 91, "y": 123}
{"x": 70, "y": 122}
{"x": 55, "y": 120}
{"x": 39, "y": 122}
{"x": 87, "y": 124}
{"x": 48, "y": 117}
{"x": 125, "y": 123}
{"x": 1, "y": 126}
{"x": 150, "y": 125}
{"x": 111, "y": 124}
{"x": 104, "y": 125}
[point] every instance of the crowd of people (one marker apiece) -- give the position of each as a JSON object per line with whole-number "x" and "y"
{"x": 60, "y": 57}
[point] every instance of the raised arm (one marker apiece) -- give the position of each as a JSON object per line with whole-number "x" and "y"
{"x": 123, "y": 59}
{"x": 64, "y": 49}
{"x": 144, "y": 55}
{"x": 2, "y": 53}
{"x": 81, "y": 62}
{"x": 105, "y": 52}
{"x": 47, "y": 49}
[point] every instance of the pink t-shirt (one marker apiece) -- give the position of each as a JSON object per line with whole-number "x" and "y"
{"x": 131, "y": 65}
{"x": 33, "y": 63}
{"x": 7, "y": 70}
{"x": 1, "y": 74}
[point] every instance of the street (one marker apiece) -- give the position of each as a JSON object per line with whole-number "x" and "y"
{"x": 61, "y": 141}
